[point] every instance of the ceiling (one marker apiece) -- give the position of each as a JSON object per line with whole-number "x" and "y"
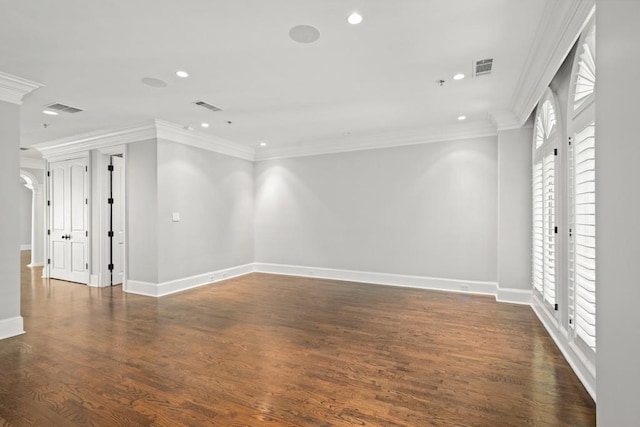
{"x": 355, "y": 82}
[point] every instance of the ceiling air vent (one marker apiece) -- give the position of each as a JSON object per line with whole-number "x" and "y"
{"x": 207, "y": 106}
{"x": 482, "y": 67}
{"x": 62, "y": 108}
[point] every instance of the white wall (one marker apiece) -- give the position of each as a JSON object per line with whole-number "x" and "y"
{"x": 142, "y": 211}
{"x": 26, "y": 197}
{"x": 426, "y": 210}
{"x": 10, "y": 320}
{"x": 514, "y": 240}
{"x": 618, "y": 212}
{"x": 213, "y": 193}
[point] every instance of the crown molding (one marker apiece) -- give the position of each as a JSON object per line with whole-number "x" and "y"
{"x": 377, "y": 141}
{"x": 176, "y": 133}
{"x": 504, "y": 120}
{"x": 98, "y": 139}
{"x": 31, "y": 163}
{"x": 14, "y": 88}
{"x": 152, "y": 129}
{"x": 560, "y": 27}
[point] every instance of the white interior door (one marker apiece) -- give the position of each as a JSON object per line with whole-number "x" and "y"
{"x": 68, "y": 220}
{"x": 117, "y": 220}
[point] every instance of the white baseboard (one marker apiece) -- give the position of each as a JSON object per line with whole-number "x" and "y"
{"x": 422, "y": 282}
{"x": 179, "y": 285}
{"x": 36, "y": 264}
{"x": 11, "y": 327}
{"x": 585, "y": 374}
{"x": 514, "y": 296}
{"x": 94, "y": 281}
{"x": 25, "y": 247}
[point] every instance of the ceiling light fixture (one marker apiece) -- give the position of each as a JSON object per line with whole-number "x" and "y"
{"x": 355, "y": 18}
{"x": 458, "y": 76}
{"x": 462, "y": 118}
{"x": 263, "y": 144}
{"x": 49, "y": 112}
{"x": 182, "y": 74}
{"x": 204, "y": 125}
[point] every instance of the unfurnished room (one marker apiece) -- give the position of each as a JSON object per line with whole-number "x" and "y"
{"x": 319, "y": 213}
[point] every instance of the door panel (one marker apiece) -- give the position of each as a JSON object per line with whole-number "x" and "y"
{"x": 68, "y": 226}
{"x": 117, "y": 191}
{"x": 78, "y": 193}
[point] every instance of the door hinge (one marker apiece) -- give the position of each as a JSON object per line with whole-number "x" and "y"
{"x": 48, "y": 173}
{"x": 570, "y": 140}
{"x": 86, "y": 233}
{"x": 110, "y": 234}
{"x": 87, "y": 266}
{"x": 110, "y": 268}
{"x": 570, "y": 321}
{"x": 110, "y": 200}
{"x": 110, "y": 168}
{"x": 555, "y": 230}
{"x": 48, "y": 232}
{"x": 86, "y": 201}
{"x": 48, "y": 202}
{"x": 555, "y": 151}
{"x": 570, "y": 233}
{"x": 555, "y": 307}
{"x": 48, "y": 260}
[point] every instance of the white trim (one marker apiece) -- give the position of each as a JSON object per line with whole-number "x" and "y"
{"x": 139, "y": 287}
{"x": 26, "y": 247}
{"x": 98, "y": 139}
{"x": 560, "y": 27}
{"x": 35, "y": 264}
{"x": 372, "y": 142}
{"x": 584, "y": 372}
{"x": 514, "y": 296}
{"x": 422, "y": 282}
{"x": 31, "y": 163}
{"x": 175, "y": 133}
{"x": 11, "y": 327}
{"x": 151, "y": 129}
{"x": 179, "y": 285}
{"x": 94, "y": 281}
{"x": 504, "y": 120}
{"x": 14, "y": 88}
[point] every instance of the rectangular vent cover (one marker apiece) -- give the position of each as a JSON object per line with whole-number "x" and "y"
{"x": 63, "y": 108}
{"x": 482, "y": 67}
{"x": 207, "y": 106}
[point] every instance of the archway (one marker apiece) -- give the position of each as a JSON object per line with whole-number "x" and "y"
{"x": 37, "y": 218}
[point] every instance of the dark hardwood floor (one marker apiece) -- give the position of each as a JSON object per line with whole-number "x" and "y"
{"x": 282, "y": 351}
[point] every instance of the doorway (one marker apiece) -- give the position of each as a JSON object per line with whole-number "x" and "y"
{"x": 68, "y": 228}
{"x": 116, "y": 219}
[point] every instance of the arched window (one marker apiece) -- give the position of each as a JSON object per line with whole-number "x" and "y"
{"x": 581, "y": 193}
{"x": 545, "y": 150}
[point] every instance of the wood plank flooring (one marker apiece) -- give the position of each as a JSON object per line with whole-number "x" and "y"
{"x": 266, "y": 350}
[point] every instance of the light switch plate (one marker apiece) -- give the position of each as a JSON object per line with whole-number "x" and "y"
{"x": 175, "y": 216}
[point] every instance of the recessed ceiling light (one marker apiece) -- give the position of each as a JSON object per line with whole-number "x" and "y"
{"x": 263, "y": 144}
{"x": 354, "y": 19}
{"x": 204, "y": 125}
{"x": 49, "y": 112}
{"x": 182, "y": 74}
{"x": 458, "y": 76}
{"x": 462, "y": 118}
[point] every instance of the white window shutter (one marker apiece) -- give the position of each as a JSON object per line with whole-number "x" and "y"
{"x": 583, "y": 270}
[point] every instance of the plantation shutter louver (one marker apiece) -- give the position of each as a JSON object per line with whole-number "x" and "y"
{"x": 544, "y": 247}
{"x": 582, "y": 195}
